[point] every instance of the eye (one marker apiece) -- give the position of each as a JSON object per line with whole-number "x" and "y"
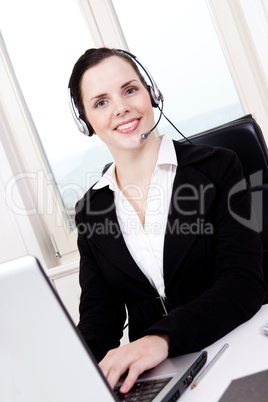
{"x": 131, "y": 90}
{"x": 100, "y": 103}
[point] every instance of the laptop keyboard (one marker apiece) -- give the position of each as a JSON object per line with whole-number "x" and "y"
{"x": 144, "y": 391}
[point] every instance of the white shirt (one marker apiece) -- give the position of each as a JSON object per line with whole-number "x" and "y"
{"x": 146, "y": 244}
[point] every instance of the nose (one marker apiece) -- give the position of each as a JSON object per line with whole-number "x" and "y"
{"x": 121, "y": 107}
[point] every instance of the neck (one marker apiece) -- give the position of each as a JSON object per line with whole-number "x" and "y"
{"x": 136, "y": 167}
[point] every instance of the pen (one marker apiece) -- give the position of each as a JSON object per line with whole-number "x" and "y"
{"x": 209, "y": 365}
{"x": 265, "y": 329}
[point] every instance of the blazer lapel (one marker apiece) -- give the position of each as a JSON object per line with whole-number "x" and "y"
{"x": 107, "y": 236}
{"x": 191, "y": 199}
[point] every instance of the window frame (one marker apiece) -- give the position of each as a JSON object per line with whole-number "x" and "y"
{"x": 242, "y": 58}
{"x": 31, "y": 163}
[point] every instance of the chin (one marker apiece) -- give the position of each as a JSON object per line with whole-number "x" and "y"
{"x": 132, "y": 141}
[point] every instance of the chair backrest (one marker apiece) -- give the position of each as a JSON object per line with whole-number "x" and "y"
{"x": 244, "y": 136}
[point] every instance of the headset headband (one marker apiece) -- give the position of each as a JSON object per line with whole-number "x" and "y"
{"x": 155, "y": 92}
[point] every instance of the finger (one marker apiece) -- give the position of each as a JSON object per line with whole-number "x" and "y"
{"x": 116, "y": 364}
{"x": 129, "y": 362}
{"x": 133, "y": 374}
{"x": 113, "y": 372}
{"x": 114, "y": 376}
{"x": 106, "y": 363}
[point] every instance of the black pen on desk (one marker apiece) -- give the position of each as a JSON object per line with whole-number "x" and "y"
{"x": 209, "y": 365}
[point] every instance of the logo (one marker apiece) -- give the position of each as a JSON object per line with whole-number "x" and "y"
{"x": 256, "y": 213}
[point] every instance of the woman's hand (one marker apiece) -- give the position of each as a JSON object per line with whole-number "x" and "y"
{"x": 136, "y": 357}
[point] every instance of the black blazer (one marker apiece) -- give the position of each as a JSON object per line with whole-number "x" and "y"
{"x": 212, "y": 262}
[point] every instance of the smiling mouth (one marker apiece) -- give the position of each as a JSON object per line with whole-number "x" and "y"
{"x": 127, "y": 126}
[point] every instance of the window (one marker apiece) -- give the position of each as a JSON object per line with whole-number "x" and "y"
{"x": 43, "y": 46}
{"x": 178, "y": 42}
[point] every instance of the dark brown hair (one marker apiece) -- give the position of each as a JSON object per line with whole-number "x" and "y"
{"x": 91, "y": 58}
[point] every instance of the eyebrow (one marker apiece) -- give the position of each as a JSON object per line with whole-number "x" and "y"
{"x": 127, "y": 83}
{"x": 105, "y": 94}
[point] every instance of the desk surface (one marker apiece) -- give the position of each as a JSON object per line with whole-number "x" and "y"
{"x": 247, "y": 354}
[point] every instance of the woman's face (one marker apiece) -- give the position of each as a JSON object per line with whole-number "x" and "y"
{"x": 116, "y": 103}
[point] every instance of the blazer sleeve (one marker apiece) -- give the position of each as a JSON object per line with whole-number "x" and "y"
{"x": 238, "y": 289}
{"x": 102, "y": 314}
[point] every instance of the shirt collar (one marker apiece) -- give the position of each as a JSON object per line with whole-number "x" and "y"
{"x": 166, "y": 156}
{"x": 108, "y": 179}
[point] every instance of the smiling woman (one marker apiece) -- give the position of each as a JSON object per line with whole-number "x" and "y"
{"x": 176, "y": 281}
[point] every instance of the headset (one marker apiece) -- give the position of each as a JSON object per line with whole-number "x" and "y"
{"x": 156, "y": 98}
{"x": 155, "y": 94}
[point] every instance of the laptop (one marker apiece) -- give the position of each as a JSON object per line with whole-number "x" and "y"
{"x": 44, "y": 358}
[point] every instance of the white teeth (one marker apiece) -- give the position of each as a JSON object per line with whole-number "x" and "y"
{"x": 128, "y": 125}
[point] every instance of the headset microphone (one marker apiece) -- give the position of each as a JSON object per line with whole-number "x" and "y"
{"x": 146, "y": 135}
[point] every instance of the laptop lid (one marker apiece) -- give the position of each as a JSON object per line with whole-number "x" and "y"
{"x": 42, "y": 355}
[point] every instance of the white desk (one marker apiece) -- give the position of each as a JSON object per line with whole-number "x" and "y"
{"x": 247, "y": 354}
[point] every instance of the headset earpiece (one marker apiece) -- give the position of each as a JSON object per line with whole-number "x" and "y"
{"x": 154, "y": 98}
{"x": 83, "y": 126}
{"x": 87, "y": 128}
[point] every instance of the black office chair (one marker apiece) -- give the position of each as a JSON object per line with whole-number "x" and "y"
{"x": 245, "y": 137}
